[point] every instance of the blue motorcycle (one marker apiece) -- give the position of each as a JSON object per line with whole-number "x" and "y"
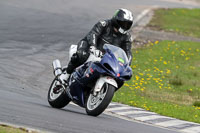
{"x": 93, "y": 84}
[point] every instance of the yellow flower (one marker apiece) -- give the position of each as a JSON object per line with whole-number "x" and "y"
{"x": 197, "y": 50}
{"x": 187, "y": 58}
{"x": 141, "y": 74}
{"x": 134, "y": 66}
{"x": 168, "y": 71}
{"x": 126, "y": 84}
{"x": 182, "y": 52}
{"x": 196, "y": 116}
{"x": 156, "y": 42}
{"x": 177, "y": 67}
{"x": 192, "y": 67}
{"x": 138, "y": 87}
{"x": 164, "y": 62}
{"x": 137, "y": 77}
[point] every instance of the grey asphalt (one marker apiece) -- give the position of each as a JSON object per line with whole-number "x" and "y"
{"x": 35, "y": 32}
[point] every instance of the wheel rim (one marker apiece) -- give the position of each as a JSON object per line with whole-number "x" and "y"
{"x": 53, "y": 95}
{"x": 94, "y": 101}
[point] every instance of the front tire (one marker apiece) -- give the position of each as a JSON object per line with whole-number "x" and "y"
{"x": 95, "y": 105}
{"x": 57, "y": 100}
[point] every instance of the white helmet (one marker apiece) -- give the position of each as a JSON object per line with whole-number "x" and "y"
{"x": 122, "y": 20}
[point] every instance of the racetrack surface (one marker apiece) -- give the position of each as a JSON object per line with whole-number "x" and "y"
{"x": 35, "y": 32}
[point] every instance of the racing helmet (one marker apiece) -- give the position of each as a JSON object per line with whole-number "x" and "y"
{"x": 122, "y": 20}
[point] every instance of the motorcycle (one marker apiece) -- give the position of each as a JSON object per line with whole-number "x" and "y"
{"x": 93, "y": 84}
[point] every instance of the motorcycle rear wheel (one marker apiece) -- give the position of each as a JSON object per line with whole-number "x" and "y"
{"x": 57, "y": 100}
{"x": 95, "y": 105}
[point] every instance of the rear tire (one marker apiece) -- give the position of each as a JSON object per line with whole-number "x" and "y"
{"x": 101, "y": 103}
{"x": 59, "y": 100}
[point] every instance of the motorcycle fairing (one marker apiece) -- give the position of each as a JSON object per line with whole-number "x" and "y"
{"x": 80, "y": 79}
{"x": 91, "y": 71}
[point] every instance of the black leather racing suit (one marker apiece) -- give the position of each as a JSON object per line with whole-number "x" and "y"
{"x": 102, "y": 32}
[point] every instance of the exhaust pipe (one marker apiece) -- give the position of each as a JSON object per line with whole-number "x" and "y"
{"x": 57, "y": 68}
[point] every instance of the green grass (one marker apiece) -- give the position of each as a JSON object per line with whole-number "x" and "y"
{"x": 165, "y": 80}
{"x": 183, "y": 21}
{"x": 8, "y": 129}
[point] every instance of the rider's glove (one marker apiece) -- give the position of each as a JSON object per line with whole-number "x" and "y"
{"x": 95, "y": 51}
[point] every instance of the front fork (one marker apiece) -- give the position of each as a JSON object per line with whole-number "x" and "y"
{"x": 57, "y": 72}
{"x": 101, "y": 81}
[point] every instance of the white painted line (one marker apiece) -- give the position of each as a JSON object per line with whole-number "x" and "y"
{"x": 136, "y": 121}
{"x": 77, "y": 105}
{"x": 134, "y": 112}
{"x": 171, "y": 123}
{"x": 140, "y": 16}
{"x": 118, "y": 108}
{"x": 123, "y": 105}
{"x": 146, "y": 118}
{"x": 113, "y": 104}
{"x": 191, "y": 130}
{"x": 73, "y": 103}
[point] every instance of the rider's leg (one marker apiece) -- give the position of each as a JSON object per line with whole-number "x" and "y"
{"x": 77, "y": 59}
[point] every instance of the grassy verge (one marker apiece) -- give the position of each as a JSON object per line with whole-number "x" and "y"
{"x": 166, "y": 74}
{"x": 165, "y": 80}
{"x": 182, "y": 21}
{"x": 8, "y": 129}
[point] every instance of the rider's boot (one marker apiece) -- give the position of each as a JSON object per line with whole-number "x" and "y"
{"x": 64, "y": 77}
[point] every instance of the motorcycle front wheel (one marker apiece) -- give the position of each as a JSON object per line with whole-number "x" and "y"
{"x": 95, "y": 105}
{"x": 58, "y": 99}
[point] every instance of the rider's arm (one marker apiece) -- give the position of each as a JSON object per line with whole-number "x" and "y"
{"x": 127, "y": 46}
{"x": 96, "y": 32}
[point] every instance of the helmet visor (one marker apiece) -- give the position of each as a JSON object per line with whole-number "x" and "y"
{"x": 126, "y": 25}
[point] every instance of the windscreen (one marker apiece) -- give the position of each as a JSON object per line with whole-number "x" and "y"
{"x": 118, "y": 52}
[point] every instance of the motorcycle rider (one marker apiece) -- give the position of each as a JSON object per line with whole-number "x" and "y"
{"x": 114, "y": 31}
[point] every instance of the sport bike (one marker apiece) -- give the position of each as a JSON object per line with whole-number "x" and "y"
{"x": 93, "y": 84}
